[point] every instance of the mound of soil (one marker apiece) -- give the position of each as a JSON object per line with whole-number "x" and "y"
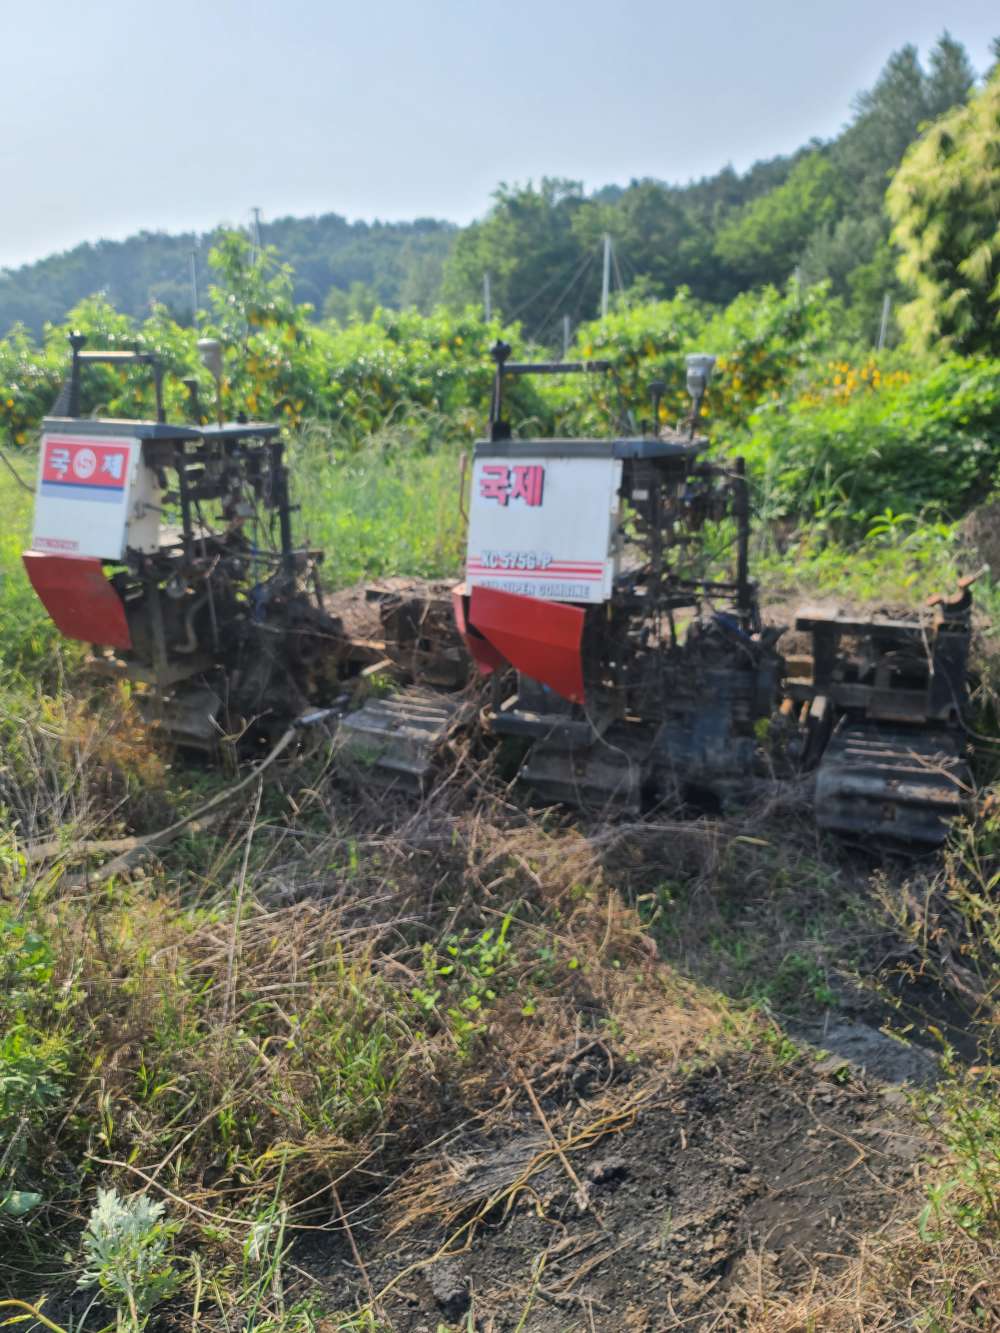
{"x": 357, "y": 607}
{"x": 664, "y": 1205}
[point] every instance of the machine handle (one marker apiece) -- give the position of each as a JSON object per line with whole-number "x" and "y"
{"x": 71, "y": 391}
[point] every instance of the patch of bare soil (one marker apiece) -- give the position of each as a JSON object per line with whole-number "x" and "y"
{"x": 644, "y": 1206}
{"x": 357, "y": 607}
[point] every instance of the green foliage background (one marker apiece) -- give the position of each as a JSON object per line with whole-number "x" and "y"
{"x": 377, "y": 412}
{"x": 945, "y": 201}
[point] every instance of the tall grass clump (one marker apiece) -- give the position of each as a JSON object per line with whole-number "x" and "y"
{"x": 848, "y": 448}
{"x": 392, "y": 507}
{"x": 28, "y": 638}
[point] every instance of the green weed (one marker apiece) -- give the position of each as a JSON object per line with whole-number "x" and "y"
{"x": 127, "y": 1255}
{"x": 900, "y": 559}
{"x": 461, "y": 980}
{"x": 30, "y": 646}
{"x": 381, "y": 512}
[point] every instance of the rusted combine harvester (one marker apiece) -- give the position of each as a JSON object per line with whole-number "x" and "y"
{"x": 169, "y": 549}
{"x": 607, "y": 595}
{"x": 585, "y": 596}
{"x": 884, "y": 728}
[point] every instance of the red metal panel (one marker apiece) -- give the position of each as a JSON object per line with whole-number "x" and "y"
{"x": 484, "y": 655}
{"x": 542, "y": 639}
{"x": 79, "y": 598}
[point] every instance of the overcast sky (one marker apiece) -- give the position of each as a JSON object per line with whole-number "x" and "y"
{"x": 120, "y": 114}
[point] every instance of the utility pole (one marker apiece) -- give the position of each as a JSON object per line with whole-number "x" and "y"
{"x": 884, "y": 326}
{"x": 606, "y": 276}
{"x": 255, "y": 234}
{"x": 194, "y": 283}
{"x": 565, "y": 337}
{"x": 487, "y": 303}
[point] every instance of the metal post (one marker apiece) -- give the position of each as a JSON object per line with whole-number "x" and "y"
{"x": 487, "y": 302}
{"x": 606, "y": 276}
{"x": 741, "y": 512}
{"x": 884, "y": 326}
{"x": 76, "y": 342}
{"x": 499, "y": 429}
{"x": 158, "y": 388}
{"x": 565, "y": 337}
{"x": 279, "y": 494}
{"x": 194, "y": 285}
{"x": 154, "y": 614}
{"x": 256, "y": 233}
{"x": 184, "y": 496}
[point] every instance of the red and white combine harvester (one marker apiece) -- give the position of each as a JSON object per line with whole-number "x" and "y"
{"x": 168, "y": 549}
{"x": 607, "y": 596}
{"x": 612, "y": 576}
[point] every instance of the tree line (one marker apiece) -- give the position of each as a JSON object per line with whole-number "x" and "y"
{"x": 817, "y": 212}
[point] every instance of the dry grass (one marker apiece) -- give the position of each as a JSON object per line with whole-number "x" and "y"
{"x": 898, "y": 1280}
{"x": 297, "y": 1009}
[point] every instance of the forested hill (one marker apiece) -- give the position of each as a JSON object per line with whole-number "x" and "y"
{"x": 391, "y": 263}
{"x": 818, "y": 211}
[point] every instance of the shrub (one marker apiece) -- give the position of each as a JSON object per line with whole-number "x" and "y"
{"x": 126, "y": 1248}
{"x": 842, "y": 455}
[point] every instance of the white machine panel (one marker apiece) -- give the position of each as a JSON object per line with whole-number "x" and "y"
{"x": 95, "y": 497}
{"x": 544, "y": 526}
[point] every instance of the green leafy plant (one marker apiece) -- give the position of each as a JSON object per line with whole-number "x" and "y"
{"x": 18, "y": 1203}
{"x": 461, "y": 982}
{"x": 943, "y": 202}
{"x": 30, "y": 1067}
{"x": 965, "y": 1112}
{"x": 127, "y": 1255}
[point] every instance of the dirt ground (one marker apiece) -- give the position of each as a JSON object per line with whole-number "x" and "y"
{"x": 357, "y": 606}
{"x": 603, "y": 1195}
{"x": 687, "y": 1203}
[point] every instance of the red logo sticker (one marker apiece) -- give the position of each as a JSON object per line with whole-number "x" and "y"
{"x": 521, "y": 482}
{"x": 81, "y": 463}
